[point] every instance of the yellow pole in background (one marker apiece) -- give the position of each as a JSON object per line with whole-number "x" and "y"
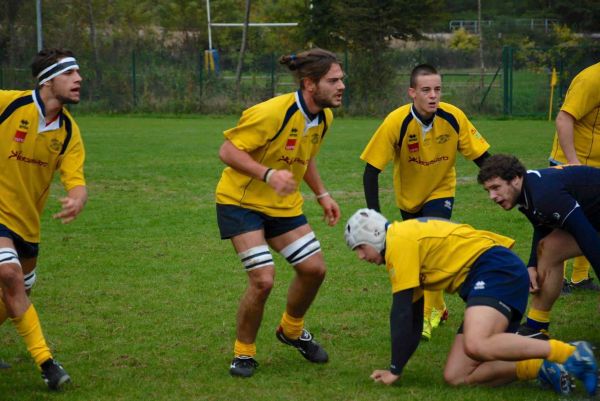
{"x": 553, "y": 82}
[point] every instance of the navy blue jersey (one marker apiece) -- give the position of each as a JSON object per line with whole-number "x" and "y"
{"x": 565, "y": 197}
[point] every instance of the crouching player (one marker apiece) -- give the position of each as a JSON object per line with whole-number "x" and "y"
{"x": 437, "y": 254}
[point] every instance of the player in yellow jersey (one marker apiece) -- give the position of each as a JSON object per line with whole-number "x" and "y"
{"x": 436, "y": 254}
{"x": 422, "y": 140}
{"x": 259, "y": 204}
{"x": 38, "y": 136}
{"x": 576, "y": 142}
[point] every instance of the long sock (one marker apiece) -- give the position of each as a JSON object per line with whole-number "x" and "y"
{"x": 241, "y": 348}
{"x": 292, "y": 326}
{"x": 29, "y": 327}
{"x": 581, "y": 268}
{"x": 528, "y": 369}
{"x": 433, "y": 299}
{"x": 560, "y": 351}
{"x": 538, "y": 319}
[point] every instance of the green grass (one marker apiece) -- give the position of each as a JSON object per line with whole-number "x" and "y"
{"x": 138, "y": 296}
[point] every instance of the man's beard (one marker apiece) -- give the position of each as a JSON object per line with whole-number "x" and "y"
{"x": 66, "y": 100}
{"x": 323, "y": 102}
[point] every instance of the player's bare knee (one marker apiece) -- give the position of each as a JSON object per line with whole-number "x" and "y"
{"x": 11, "y": 274}
{"x": 261, "y": 287}
{"x": 452, "y": 378}
{"x": 476, "y": 350}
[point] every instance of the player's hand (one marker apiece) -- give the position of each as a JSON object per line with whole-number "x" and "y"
{"x": 533, "y": 279}
{"x": 331, "y": 210}
{"x": 384, "y": 376}
{"x": 282, "y": 181}
{"x": 71, "y": 207}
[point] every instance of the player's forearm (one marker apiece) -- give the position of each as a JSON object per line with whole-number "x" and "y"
{"x": 403, "y": 329}
{"x": 313, "y": 178}
{"x": 565, "y": 124}
{"x": 241, "y": 161}
{"x": 371, "y": 186}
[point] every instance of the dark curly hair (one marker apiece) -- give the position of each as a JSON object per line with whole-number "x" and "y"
{"x": 46, "y": 57}
{"x": 503, "y": 166}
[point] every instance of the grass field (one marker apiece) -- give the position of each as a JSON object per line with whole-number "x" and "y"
{"x": 138, "y": 296}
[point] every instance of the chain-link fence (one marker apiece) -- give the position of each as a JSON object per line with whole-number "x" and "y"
{"x": 513, "y": 82}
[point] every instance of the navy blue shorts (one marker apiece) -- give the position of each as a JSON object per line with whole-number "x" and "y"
{"x": 441, "y": 207}
{"x": 235, "y": 220}
{"x": 498, "y": 279}
{"x": 24, "y": 249}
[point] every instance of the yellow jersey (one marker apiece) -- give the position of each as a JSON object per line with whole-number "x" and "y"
{"x": 583, "y": 103}
{"x": 434, "y": 254}
{"x": 31, "y": 151}
{"x": 423, "y": 156}
{"x": 281, "y": 134}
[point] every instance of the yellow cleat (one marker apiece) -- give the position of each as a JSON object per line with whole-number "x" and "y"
{"x": 438, "y": 317}
{"x": 426, "y": 333}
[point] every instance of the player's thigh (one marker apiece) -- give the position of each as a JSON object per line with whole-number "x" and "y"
{"x": 558, "y": 245}
{"x": 301, "y": 249}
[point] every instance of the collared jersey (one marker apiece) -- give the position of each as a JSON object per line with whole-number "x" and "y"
{"x": 281, "y": 134}
{"x": 434, "y": 254}
{"x": 30, "y": 153}
{"x": 583, "y": 103}
{"x": 423, "y": 156}
{"x": 565, "y": 197}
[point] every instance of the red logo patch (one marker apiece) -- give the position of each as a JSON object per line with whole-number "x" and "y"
{"x": 20, "y": 136}
{"x": 413, "y": 147}
{"x": 291, "y": 144}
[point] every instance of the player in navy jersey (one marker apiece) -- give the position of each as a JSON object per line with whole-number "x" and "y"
{"x": 563, "y": 205}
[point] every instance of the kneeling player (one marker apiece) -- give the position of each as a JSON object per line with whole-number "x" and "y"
{"x": 437, "y": 254}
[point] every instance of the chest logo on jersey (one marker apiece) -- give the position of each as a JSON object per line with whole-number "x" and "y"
{"x": 20, "y": 136}
{"x": 315, "y": 139}
{"x": 55, "y": 145}
{"x": 21, "y": 133}
{"x": 413, "y": 143}
{"x": 291, "y": 142}
{"x": 442, "y": 138}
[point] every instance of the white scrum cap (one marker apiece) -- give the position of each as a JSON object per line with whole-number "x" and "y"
{"x": 366, "y": 226}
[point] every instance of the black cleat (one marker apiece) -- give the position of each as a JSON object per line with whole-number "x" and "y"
{"x": 243, "y": 366}
{"x": 54, "y": 374}
{"x": 4, "y": 365}
{"x": 585, "y": 284}
{"x": 309, "y": 348}
{"x": 527, "y": 331}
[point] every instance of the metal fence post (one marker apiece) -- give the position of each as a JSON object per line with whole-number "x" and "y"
{"x": 272, "y": 74}
{"x": 133, "y": 90}
{"x": 507, "y": 67}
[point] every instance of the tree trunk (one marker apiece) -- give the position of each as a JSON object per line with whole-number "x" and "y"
{"x": 238, "y": 72}
{"x": 481, "y": 82}
{"x": 96, "y": 82}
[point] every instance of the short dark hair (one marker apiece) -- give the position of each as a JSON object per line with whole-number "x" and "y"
{"x": 312, "y": 64}
{"x": 420, "y": 70}
{"x": 46, "y": 57}
{"x": 502, "y": 166}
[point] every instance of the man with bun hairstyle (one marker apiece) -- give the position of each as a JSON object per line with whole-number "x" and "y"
{"x": 431, "y": 253}
{"x": 259, "y": 204}
{"x": 38, "y": 136}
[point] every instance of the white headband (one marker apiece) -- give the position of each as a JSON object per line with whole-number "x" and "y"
{"x": 61, "y": 66}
